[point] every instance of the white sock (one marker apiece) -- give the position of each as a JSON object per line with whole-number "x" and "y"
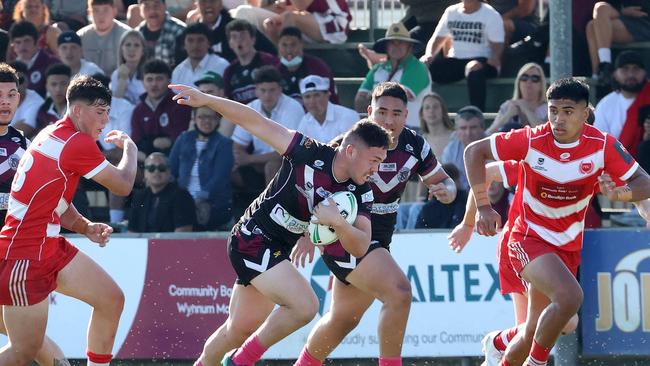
{"x": 90, "y": 363}
{"x": 116, "y": 215}
{"x": 605, "y": 55}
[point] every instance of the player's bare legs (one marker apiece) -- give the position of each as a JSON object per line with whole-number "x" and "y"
{"x": 285, "y": 286}
{"x": 24, "y": 342}
{"x": 347, "y": 307}
{"x": 48, "y": 353}
{"x": 554, "y": 298}
{"x": 248, "y": 310}
{"x": 85, "y": 280}
{"x": 520, "y": 305}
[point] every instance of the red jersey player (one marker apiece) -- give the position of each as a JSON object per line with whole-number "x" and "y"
{"x": 34, "y": 259}
{"x": 563, "y": 162}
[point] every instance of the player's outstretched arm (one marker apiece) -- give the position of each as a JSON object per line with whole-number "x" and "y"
{"x": 119, "y": 179}
{"x": 459, "y": 237}
{"x": 263, "y": 128}
{"x": 476, "y": 155}
{"x": 97, "y": 232}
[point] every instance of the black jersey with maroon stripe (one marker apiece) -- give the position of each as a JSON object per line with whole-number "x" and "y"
{"x": 305, "y": 178}
{"x": 12, "y": 147}
{"x": 412, "y": 155}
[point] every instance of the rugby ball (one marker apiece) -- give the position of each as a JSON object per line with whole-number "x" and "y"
{"x": 347, "y": 204}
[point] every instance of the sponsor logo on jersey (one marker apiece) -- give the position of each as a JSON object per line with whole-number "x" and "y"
{"x": 306, "y": 142}
{"x": 540, "y": 161}
{"x": 283, "y": 218}
{"x": 15, "y": 139}
{"x": 323, "y": 192}
{"x": 586, "y": 167}
{"x": 35, "y": 77}
{"x": 3, "y": 151}
{"x": 627, "y": 158}
{"x": 388, "y": 167}
{"x": 559, "y": 193}
{"x": 318, "y": 164}
{"x": 565, "y": 156}
{"x": 13, "y": 161}
{"x": 404, "y": 174}
{"x": 409, "y": 148}
{"x": 367, "y": 197}
{"x": 352, "y": 188}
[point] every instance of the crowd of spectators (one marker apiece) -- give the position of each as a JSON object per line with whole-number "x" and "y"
{"x": 198, "y": 171}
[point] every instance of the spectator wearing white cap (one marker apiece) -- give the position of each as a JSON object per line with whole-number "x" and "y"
{"x": 402, "y": 67}
{"x": 71, "y": 54}
{"x": 324, "y": 120}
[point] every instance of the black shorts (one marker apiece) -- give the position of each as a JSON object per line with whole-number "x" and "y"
{"x": 341, "y": 263}
{"x": 252, "y": 251}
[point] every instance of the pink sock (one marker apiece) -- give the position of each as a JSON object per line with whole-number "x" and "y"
{"x": 306, "y": 359}
{"x": 504, "y": 337}
{"x": 250, "y": 352}
{"x": 538, "y": 354}
{"x": 390, "y": 361}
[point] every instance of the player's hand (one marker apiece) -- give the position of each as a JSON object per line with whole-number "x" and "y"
{"x": 634, "y": 11}
{"x": 613, "y": 193}
{"x": 327, "y": 213}
{"x": 440, "y": 192}
{"x": 427, "y": 59}
{"x": 459, "y": 237}
{"x": 186, "y": 95}
{"x": 487, "y": 221}
{"x": 117, "y": 138}
{"x": 304, "y": 249}
{"x": 99, "y": 233}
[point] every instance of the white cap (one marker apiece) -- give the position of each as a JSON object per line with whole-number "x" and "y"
{"x": 314, "y": 83}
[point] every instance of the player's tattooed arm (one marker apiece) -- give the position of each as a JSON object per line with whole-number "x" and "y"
{"x": 61, "y": 362}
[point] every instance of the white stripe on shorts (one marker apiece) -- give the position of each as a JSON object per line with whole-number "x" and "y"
{"x": 17, "y": 281}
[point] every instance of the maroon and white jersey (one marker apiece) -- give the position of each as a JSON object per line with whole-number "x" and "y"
{"x": 306, "y": 178}
{"x": 557, "y": 181}
{"x": 12, "y": 147}
{"x": 43, "y": 188}
{"x": 412, "y": 155}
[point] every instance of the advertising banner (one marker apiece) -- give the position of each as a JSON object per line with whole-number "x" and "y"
{"x": 615, "y": 277}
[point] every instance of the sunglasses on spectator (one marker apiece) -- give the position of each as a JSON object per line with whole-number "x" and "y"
{"x": 533, "y": 78}
{"x": 153, "y": 167}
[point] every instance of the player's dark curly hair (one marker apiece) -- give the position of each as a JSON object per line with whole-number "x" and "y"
{"x": 389, "y": 89}
{"x": 86, "y": 88}
{"x": 569, "y": 88}
{"x": 368, "y": 132}
{"x": 8, "y": 74}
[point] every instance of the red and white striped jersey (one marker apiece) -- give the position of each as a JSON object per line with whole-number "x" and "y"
{"x": 557, "y": 181}
{"x": 43, "y": 187}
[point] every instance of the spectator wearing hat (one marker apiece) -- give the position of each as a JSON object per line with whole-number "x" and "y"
{"x": 238, "y": 76}
{"x": 619, "y": 112}
{"x": 622, "y": 24}
{"x": 27, "y": 111}
{"x": 100, "y": 40}
{"x": 199, "y": 59}
{"x": 401, "y": 66}
{"x": 470, "y": 127}
{"x": 54, "y": 108}
{"x": 162, "y": 32}
{"x": 324, "y": 120}
{"x": 201, "y": 161}
{"x": 70, "y": 53}
{"x": 643, "y": 155}
{"x": 211, "y": 83}
{"x": 24, "y": 36}
{"x": 476, "y": 33}
{"x": 295, "y": 64}
{"x": 157, "y": 119}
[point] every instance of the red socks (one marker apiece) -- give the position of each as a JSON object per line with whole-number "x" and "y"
{"x": 538, "y": 355}
{"x": 390, "y": 361}
{"x": 306, "y": 359}
{"x": 504, "y": 337}
{"x": 95, "y": 359}
{"x": 250, "y": 352}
